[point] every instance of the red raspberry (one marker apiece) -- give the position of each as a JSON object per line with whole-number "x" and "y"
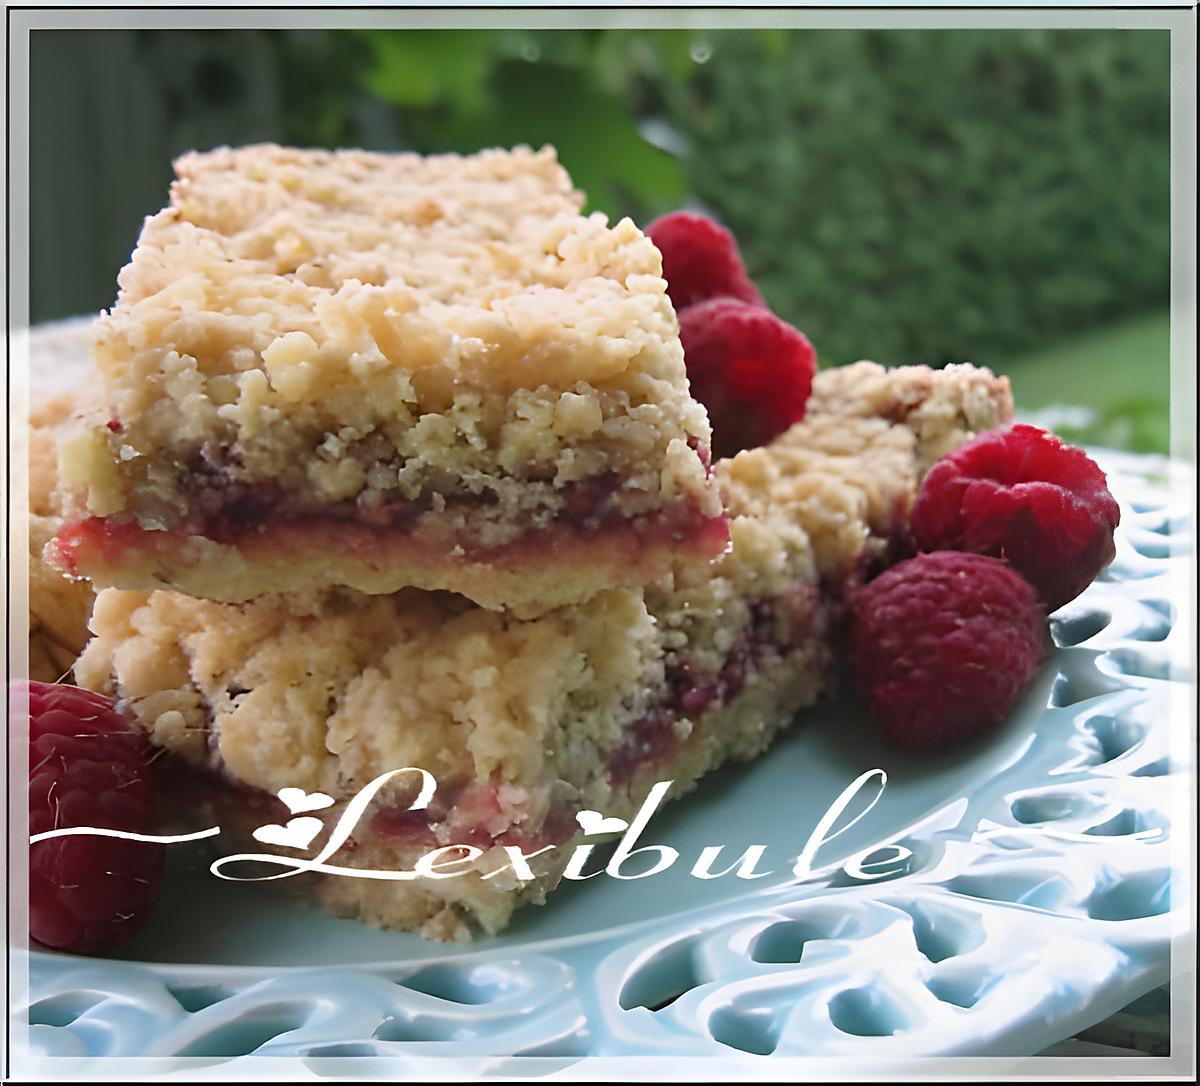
{"x": 750, "y": 369}
{"x": 700, "y": 260}
{"x": 87, "y": 767}
{"x": 942, "y": 645}
{"x": 1022, "y": 495}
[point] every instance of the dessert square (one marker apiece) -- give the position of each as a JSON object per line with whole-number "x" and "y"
{"x": 525, "y": 723}
{"x": 384, "y": 371}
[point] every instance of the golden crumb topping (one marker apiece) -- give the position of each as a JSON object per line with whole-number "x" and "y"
{"x": 943, "y": 408}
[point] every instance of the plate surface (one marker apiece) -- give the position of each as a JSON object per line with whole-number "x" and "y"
{"x": 1030, "y": 896}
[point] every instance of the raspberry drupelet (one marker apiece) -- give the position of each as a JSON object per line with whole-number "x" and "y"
{"x": 88, "y": 767}
{"x": 942, "y": 646}
{"x": 1023, "y": 495}
{"x": 751, "y": 370}
{"x": 700, "y": 260}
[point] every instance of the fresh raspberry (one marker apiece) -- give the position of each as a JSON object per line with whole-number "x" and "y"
{"x": 87, "y": 767}
{"x": 700, "y": 260}
{"x": 750, "y": 369}
{"x": 1022, "y": 495}
{"x": 942, "y": 645}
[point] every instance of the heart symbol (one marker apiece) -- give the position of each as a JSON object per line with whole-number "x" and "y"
{"x": 298, "y": 800}
{"x": 298, "y": 833}
{"x": 592, "y": 822}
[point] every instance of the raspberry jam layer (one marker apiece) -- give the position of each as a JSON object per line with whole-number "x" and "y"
{"x": 102, "y": 543}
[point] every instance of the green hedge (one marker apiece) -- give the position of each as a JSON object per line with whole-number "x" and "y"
{"x": 939, "y": 195}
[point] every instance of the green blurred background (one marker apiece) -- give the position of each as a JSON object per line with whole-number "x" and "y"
{"x": 907, "y": 195}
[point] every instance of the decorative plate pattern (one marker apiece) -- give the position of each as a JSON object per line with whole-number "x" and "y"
{"x": 1024, "y": 910}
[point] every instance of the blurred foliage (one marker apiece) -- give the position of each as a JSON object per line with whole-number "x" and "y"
{"x": 904, "y": 195}
{"x": 1110, "y": 388}
{"x": 462, "y": 90}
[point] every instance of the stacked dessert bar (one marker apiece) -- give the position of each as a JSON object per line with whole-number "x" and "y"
{"x": 397, "y": 466}
{"x": 384, "y": 371}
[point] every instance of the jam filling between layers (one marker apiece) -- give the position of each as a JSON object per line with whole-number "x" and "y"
{"x": 262, "y": 518}
{"x": 81, "y": 545}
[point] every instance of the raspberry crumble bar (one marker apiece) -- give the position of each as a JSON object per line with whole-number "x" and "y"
{"x": 524, "y": 723}
{"x": 383, "y": 371}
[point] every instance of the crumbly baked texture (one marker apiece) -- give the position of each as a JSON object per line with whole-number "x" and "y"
{"x": 393, "y": 371}
{"x": 58, "y": 605}
{"x": 524, "y": 723}
{"x": 943, "y": 408}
